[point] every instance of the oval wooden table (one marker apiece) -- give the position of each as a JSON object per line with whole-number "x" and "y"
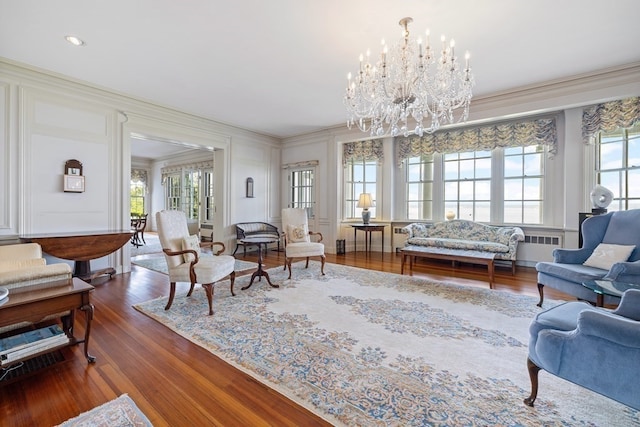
{"x": 81, "y": 247}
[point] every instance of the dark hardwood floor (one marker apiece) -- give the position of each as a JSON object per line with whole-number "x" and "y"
{"x": 175, "y": 382}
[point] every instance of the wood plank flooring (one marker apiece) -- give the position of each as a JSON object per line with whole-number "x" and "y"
{"x": 177, "y": 383}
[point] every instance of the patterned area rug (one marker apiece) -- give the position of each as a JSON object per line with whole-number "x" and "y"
{"x": 361, "y": 347}
{"x": 120, "y": 412}
{"x": 157, "y": 263}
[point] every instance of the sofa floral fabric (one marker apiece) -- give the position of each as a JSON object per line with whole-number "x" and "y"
{"x": 468, "y": 235}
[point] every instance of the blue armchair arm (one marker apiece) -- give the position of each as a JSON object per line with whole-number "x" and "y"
{"x": 571, "y": 256}
{"x": 625, "y": 272}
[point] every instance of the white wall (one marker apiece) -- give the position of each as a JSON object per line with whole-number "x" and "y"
{"x": 46, "y": 120}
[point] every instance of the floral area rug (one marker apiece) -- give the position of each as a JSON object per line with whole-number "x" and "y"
{"x": 120, "y": 412}
{"x": 158, "y": 263}
{"x": 361, "y": 347}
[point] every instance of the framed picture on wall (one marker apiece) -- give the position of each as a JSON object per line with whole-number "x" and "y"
{"x": 73, "y": 183}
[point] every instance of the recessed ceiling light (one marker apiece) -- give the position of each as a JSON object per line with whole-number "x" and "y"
{"x": 74, "y": 40}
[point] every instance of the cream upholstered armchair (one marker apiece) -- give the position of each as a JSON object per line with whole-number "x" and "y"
{"x": 184, "y": 259}
{"x": 297, "y": 238}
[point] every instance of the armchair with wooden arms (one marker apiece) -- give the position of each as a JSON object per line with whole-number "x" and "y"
{"x": 184, "y": 259}
{"x": 297, "y": 238}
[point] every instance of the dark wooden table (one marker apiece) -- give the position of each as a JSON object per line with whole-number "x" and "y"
{"x": 368, "y": 229}
{"x": 82, "y": 247}
{"x": 261, "y": 242}
{"x": 35, "y": 302}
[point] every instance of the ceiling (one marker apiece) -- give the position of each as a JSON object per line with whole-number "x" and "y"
{"x": 279, "y": 67}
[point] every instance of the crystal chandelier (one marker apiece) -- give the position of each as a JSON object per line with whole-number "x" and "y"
{"x": 408, "y": 86}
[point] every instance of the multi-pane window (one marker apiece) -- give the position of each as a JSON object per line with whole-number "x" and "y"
{"x": 360, "y": 177}
{"x": 618, "y": 167}
{"x": 173, "y": 192}
{"x": 301, "y": 190}
{"x": 419, "y": 178}
{"x": 207, "y": 196}
{"x": 191, "y": 194}
{"x": 467, "y": 185}
{"x": 137, "y": 198}
{"x": 523, "y": 184}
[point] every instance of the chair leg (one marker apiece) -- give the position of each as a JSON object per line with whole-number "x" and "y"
{"x": 541, "y": 292}
{"x": 533, "y": 376}
{"x": 307, "y": 264}
{"x": 193, "y": 285}
{"x": 322, "y": 259}
{"x": 288, "y": 264}
{"x": 172, "y": 293}
{"x": 236, "y": 250}
{"x": 232, "y": 278}
{"x": 209, "y": 290}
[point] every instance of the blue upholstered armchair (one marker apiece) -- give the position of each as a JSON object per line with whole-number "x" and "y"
{"x": 568, "y": 272}
{"x": 592, "y": 347}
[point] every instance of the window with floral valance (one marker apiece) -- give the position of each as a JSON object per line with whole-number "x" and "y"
{"x": 541, "y": 131}
{"x": 363, "y": 150}
{"x": 610, "y": 116}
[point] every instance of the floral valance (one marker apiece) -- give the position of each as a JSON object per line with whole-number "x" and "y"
{"x": 609, "y": 116}
{"x": 174, "y": 169}
{"x": 139, "y": 175}
{"x": 305, "y": 164}
{"x": 363, "y": 150}
{"x": 513, "y": 134}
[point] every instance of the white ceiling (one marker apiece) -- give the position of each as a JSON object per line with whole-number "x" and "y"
{"x": 279, "y": 67}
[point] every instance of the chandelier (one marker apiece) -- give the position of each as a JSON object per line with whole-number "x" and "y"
{"x": 408, "y": 86}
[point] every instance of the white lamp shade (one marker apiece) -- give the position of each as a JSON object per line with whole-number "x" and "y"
{"x": 365, "y": 201}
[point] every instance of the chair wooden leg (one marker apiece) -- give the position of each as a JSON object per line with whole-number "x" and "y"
{"x": 288, "y": 264}
{"x": 209, "y": 290}
{"x": 193, "y": 285}
{"x": 541, "y": 292}
{"x": 172, "y": 293}
{"x": 533, "y": 376}
{"x": 307, "y": 264}
{"x": 322, "y": 259}
{"x": 232, "y": 278}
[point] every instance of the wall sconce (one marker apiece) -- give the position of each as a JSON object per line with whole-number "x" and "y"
{"x": 365, "y": 202}
{"x": 73, "y": 178}
{"x": 249, "y": 187}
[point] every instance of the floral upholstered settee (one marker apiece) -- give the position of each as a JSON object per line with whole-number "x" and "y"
{"x": 467, "y": 235}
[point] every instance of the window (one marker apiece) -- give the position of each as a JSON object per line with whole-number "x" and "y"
{"x": 191, "y": 194}
{"x": 173, "y": 192}
{"x": 301, "y": 186}
{"x": 137, "y": 197}
{"x": 618, "y": 166}
{"x": 523, "y": 184}
{"x": 419, "y": 178}
{"x": 207, "y": 196}
{"x": 360, "y": 177}
{"x": 467, "y": 185}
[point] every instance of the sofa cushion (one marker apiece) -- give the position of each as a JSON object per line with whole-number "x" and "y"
{"x": 471, "y": 245}
{"x": 618, "y": 231}
{"x": 606, "y": 254}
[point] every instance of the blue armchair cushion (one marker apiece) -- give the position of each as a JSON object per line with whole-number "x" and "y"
{"x": 623, "y": 230}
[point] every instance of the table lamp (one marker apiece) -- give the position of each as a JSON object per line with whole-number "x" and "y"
{"x": 365, "y": 202}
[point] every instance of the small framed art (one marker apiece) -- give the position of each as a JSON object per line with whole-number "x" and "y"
{"x": 73, "y": 184}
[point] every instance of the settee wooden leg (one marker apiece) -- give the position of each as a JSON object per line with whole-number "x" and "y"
{"x": 533, "y": 376}
{"x": 322, "y": 259}
{"x": 541, "y": 292}
{"x": 288, "y": 264}
{"x": 172, "y": 293}
{"x": 513, "y": 268}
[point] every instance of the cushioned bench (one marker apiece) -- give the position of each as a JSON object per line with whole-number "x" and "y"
{"x": 254, "y": 229}
{"x": 469, "y": 236}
